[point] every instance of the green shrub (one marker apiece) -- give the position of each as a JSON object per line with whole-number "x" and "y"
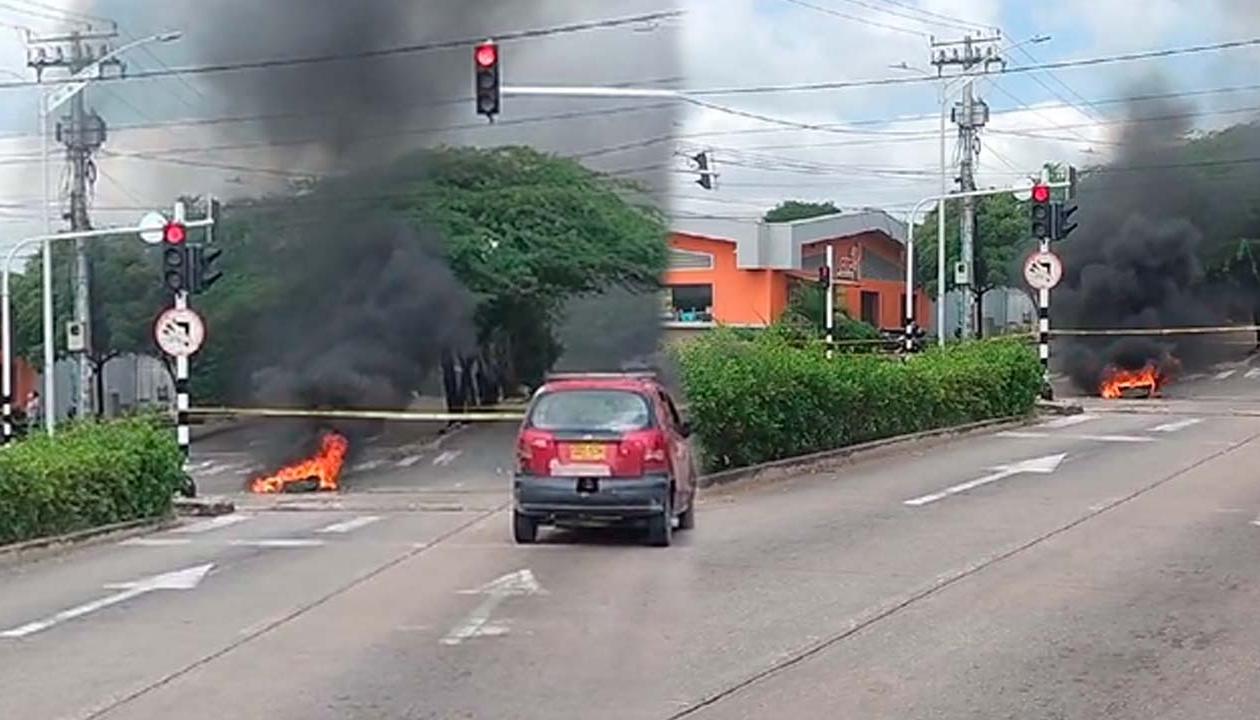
{"x": 757, "y": 400}
{"x": 87, "y": 476}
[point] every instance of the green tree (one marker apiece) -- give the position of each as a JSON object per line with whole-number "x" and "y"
{"x": 789, "y": 210}
{"x": 1002, "y": 238}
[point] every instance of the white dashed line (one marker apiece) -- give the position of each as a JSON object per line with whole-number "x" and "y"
{"x": 350, "y": 525}
{"x": 1175, "y": 426}
{"x": 408, "y": 462}
{"x": 1224, "y": 374}
{"x": 1068, "y": 421}
{"x": 1027, "y": 434}
{"x": 1253, "y": 373}
{"x": 156, "y": 542}
{"x": 278, "y": 543}
{"x": 212, "y": 524}
{"x": 447, "y": 457}
{"x": 369, "y": 465}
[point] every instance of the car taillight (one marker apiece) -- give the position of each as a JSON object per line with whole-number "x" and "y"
{"x": 652, "y": 448}
{"x": 533, "y": 443}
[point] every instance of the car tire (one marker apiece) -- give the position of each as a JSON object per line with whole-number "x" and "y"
{"x": 660, "y": 531}
{"x": 524, "y": 529}
{"x": 687, "y": 520}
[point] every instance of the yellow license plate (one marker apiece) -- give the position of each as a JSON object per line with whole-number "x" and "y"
{"x": 587, "y": 452}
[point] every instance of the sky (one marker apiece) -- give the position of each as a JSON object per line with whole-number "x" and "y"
{"x": 865, "y": 146}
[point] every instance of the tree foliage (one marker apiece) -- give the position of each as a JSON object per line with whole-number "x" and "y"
{"x": 1003, "y": 237}
{"x": 790, "y": 210}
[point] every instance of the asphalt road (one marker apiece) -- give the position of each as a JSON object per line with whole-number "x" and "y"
{"x": 1101, "y": 565}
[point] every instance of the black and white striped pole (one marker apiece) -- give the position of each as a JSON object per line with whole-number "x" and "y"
{"x": 1043, "y": 339}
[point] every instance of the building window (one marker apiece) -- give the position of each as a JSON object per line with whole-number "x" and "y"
{"x": 870, "y": 308}
{"x": 689, "y": 260}
{"x": 691, "y": 303}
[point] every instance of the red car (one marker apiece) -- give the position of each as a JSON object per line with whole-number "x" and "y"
{"x": 601, "y": 449}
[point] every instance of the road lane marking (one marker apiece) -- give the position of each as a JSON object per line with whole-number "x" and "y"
{"x": 350, "y": 525}
{"x": 1177, "y": 425}
{"x": 447, "y": 457}
{"x": 1252, "y": 374}
{"x": 408, "y": 462}
{"x": 1068, "y": 421}
{"x": 185, "y": 579}
{"x": 156, "y": 542}
{"x": 477, "y": 623}
{"x": 367, "y": 465}
{"x": 1041, "y": 465}
{"x": 1224, "y": 374}
{"x": 1029, "y": 434}
{"x": 278, "y": 543}
{"x": 212, "y": 524}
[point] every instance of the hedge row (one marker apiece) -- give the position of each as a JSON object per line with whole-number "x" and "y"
{"x": 768, "y": 398}
{"x": 87, "y": 476}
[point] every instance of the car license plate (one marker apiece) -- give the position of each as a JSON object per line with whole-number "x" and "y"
{"x": 586, "y": 452}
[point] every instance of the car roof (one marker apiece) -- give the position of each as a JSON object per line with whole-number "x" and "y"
{"x": 629, "y": 383}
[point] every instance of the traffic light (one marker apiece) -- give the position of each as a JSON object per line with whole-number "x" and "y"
{"x": 1059, "y": 216}
{"x": 486, "y": 71}
{"x": 1041, "y": 212}
{"x": 824, "y": 275}
{"x": 706, "y": 175}
{"x": 204, "y": 274}
{"x": 175, "y": 260}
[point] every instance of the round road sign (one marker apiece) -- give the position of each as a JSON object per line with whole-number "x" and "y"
{"x": 1022, "y": 189}
{"x": 179, "y": 332}
{"x": 151, "y": 226}
{"x": 1043, "y": 270}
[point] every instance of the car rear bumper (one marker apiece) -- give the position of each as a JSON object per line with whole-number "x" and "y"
{"x": 557, "y": 498}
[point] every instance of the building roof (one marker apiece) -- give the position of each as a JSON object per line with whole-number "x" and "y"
{"x": 762, "y": 245}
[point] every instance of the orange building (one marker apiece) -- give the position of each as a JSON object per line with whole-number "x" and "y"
{"x": 741, "y": 273}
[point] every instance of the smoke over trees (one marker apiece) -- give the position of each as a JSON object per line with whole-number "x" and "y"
{"x": 1157, "y": 229}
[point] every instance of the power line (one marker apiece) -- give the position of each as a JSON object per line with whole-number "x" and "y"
{"x": 80, "y": 16}
{"x": 947, "y": 23}
{"x": 960, "y": 22}
{"x": 855, "y": 18}
{"x": 914, "y": 79}
{"x": 41, "y": 14}
{"x": 382, "y": 52}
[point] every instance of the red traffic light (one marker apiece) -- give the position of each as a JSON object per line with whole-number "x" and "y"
{"x": 486, "y": 55}
{"x": 174, "y": 234}
{"x": 1041, "y": 193}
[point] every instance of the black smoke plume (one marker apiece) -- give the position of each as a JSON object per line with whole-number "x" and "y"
{"x": 374, "y": 307}
{"x": 1152, "y": 223}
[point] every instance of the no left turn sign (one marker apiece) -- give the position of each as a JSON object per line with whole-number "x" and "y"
{"x": 1043, "y": 270}
{"x": 179, "y": 332}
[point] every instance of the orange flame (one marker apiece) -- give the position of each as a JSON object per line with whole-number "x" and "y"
{"x": 324, "y": 467}
{"x": 1116, "y": 381}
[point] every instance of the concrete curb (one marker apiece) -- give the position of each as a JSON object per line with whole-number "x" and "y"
{"x": 204, "y": 507}
{"x": 853, "y": 453}
{"x": 49, "y": 546}
{"x": 1052, "y": 407}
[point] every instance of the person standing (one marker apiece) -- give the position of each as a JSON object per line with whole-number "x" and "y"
{"x": 33, "y": 415}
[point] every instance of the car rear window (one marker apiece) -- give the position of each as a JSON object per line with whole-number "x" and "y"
{"x": 591, "y": 410}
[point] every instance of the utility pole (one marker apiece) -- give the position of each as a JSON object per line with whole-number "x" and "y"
{"x": 971, "y": 114}
{"x": 83, "y": 133}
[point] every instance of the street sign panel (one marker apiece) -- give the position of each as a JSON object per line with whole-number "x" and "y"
{"x": 151, "y": 227}
{"x": 179, "y": 332}
{"x": 1043, "y": 270}
{"x": 1022, "y": 189}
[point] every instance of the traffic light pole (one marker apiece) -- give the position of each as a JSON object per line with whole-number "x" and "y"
{"x": 940, "y": 280}
{"x": 831, "y": 299}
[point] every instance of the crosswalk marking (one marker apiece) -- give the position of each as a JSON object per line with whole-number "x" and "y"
{"x": 1177, "y": 425}
{"x": 446, "y": 458}
{"x": 1225, "y": 374}
{"x": 212, "y": 524}
{"x": 1252, "y": 374}
{"x": 368, "y": 465}
{"x": 350, "y": 525}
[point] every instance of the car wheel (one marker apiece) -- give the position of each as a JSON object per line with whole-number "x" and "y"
{"x": 524, "y": 528}
{"x": 661, "y": 526}
{"x": 687, "y": 520}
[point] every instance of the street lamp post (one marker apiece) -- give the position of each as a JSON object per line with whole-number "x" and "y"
{"x": 48, "y": 104}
